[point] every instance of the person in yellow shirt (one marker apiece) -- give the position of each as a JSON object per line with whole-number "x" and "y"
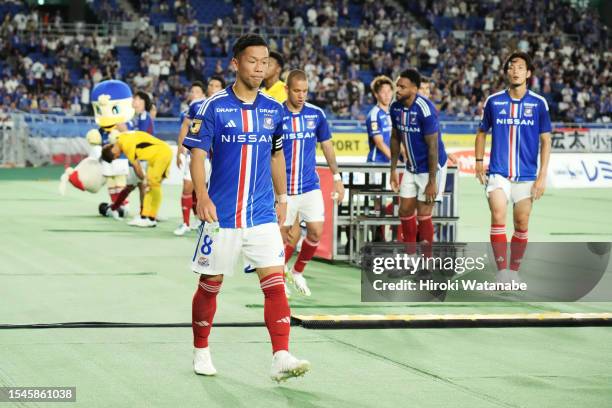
{"x": 273, "y": 86}
{"x": 138, "y": 145}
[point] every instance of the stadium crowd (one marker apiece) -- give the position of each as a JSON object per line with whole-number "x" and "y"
{"x": 49, "y": 73}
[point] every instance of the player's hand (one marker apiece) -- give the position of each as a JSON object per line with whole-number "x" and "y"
{"x": 179, "y": 156}
{"x": 206, "y": 210}
{"x": 281, "y": 213}
{"x": 394, "y": 181}
{"x": 537, "y": 189}
{"x": 452, "y": 159}
{"x": 431, "y": 191}
{"x": 338, "y": 194}
{"x": 480, "y": 172}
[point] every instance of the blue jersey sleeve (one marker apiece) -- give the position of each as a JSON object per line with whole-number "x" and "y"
{"x": 544, "y": 118}
{"x": 430, "y": 124}
{"x": 202, "y": 130}
{"x": 323, "y": 132}
{"x": 193, "y": 110}
{"x": 373, "y": 126}
{"x": 487, "y": 120}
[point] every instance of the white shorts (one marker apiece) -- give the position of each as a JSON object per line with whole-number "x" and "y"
{"x": 186, "y": 172}
{"x": 515, "y": 191}
{"x": 413, "y": 184}
{"x": 219, "y": 251}
{"x": 118, "y": 167}
{"x": 308, "y": 206}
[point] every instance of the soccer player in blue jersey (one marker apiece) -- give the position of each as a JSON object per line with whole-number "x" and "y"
{"x": 244, "y": 128}
{"x": 378, "y": 122}
{"x": 415, "y": 125}
{"x": 305, "y": 125}
{"x": 183, "y": 158}
{"x": 520, "y": 129}
{"x": 143, "y": 120}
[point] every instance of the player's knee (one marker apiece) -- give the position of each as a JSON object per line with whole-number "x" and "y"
{"x": 521, "y": 223}
{"x": 213, "y": 278}
{"x": 498, "y": 215}
{"x": 314, "y": 235}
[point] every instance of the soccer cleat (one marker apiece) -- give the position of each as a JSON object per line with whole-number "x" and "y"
{"x": 182, "y": 230}
{"x": 202, "y": 363}
{"x": 113, "y": 213}
{"x": 285, "y": 366}
{"x": 508, "y": 276}
{"x": 300, "y": 283}
{"x": 142, "y": 222}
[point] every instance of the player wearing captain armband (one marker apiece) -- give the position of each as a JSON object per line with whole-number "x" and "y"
{"x": 416, "y": 126}
{"x": 243, "y": 127}
{"x": 183, "y": 158}
{"x": 305, "y": 125}
{"x": 520, "y": 126}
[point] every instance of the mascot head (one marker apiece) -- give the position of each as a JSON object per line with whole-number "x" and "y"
{"x": 112, "y": 103}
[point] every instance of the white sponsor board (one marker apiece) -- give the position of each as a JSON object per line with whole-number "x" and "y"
{"x": 580, "y": 170}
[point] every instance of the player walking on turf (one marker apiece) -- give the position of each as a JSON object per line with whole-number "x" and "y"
{"x": 244, "y": 128}
{"x": 305, "y": 124}
{"x": 183, "y": 158}
{"x": 520, "y": 127}
{"x": 415, "y": 125}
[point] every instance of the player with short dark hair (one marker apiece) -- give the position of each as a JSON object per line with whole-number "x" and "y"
{"x": 273, "y": 86}
{"x": 305, "y": 124}
{"x": 244, "y": 127}
{"x": 416, "y": 126}
{"x": 520, "y": 126}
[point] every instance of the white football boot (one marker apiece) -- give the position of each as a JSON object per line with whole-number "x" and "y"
{"x": 202, "y": 363}
{"x": 182, "y": 230}
{"x": 285, "y": 366}
{"x": 300, "y": 283}
{"x": 142, "y": 222}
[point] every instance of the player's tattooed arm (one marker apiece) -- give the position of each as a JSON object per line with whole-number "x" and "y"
{"x": 330, "y": 157}
{"x": 279, "y": 180}
{"x": 537, "y": 190}
{"x": 205, "y": 208}
{"x": 479, "y": 152}
{"x": 395, "y": 151}
{"x": 431, "y": 189}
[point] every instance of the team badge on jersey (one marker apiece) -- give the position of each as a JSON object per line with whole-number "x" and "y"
{"x": 311, "y": 124}
{"x": 195, "y": 126}
{"x": 374, "y": 126}
{"x": 268, "y": 122}
{"x": 413, "y": 118}
{"x": 528, "y": 111}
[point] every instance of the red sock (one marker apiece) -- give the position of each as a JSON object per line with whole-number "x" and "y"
{"x": 203, "y": 310}
{"x": 306, "y": 253}
{"x": 186, "y": 205}
{"x": 288, "y": 252}
{"x": 409, "y": 231}
{"x": 120, "y": 198}
{"x": 194, "y": 203}
{"x": 113, "y": 192}
{"x": 426, "y": 233}
{"x": 518, "y": 245}
{"x": 499, "y": 243}
{"x": 277, "y": 314}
